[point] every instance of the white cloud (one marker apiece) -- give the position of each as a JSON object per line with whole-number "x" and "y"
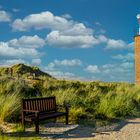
{"x": 102, "y": 39}
{"x": 66, "y": 62}
{"x": 40, "y": 21}
{"x": 92, "y": 69}
{"x": 116, "y": 44}
{"x": 114, "y": 72}
{"x": 55, "y": 38}
{"x": 127, "y": 57}
{"x": 50, "y": 66}
{"x": 65, "y": 75}
{"x": 7, "y": 51}
{"x": 11, "y": 62}
{"x": 131, "y": 46}
{"x": 101, "y": 31}
{"x": 105, "y": 66}
{"x": 36, "y": 61}
{"x": 27, "y": 41}
{"x": 63, "y": 63}
{"x": 58, "y": 68}
{"x": 60, "y": 74}
{"x": 48, "y": 20}
{"x": 127, "y": 65}
{"x": 22, "y": 50}
{"x": 77, "y": 29}
{"x": 24, "y": 47}
{"x": 4, "y": 16}
{"x": 67, "y": 16}
{"x": 124, "y": 66}
{"x": 65, "y": 32}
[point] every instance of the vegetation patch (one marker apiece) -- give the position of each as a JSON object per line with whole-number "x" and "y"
{"x": 86, "y": 100}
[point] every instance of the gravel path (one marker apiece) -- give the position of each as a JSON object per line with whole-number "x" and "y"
{"x": 129, "y": 130}
{"x": 125, "y": 130}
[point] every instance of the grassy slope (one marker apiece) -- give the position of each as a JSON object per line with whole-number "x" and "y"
{"x": 22, "y": 70}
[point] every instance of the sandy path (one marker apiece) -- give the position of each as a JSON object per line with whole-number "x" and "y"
{"x": 129, "y": 130}
{"x": 126, "y": 130}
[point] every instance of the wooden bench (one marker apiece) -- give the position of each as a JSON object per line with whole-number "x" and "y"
{"x": 38, "y": 109}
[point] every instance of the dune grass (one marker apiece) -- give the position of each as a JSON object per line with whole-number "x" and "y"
{"x": 86, "y": 100}
{"x": 97, "y": 100}
{"x": 9, "y": 104}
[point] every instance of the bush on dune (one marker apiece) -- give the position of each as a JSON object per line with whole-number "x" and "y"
{"x": 116, "y": 105}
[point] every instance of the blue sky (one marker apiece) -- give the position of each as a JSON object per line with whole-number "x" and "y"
{"x": 71, "y": 39}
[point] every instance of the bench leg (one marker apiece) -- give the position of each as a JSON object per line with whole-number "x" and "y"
{"x": 23, "y": 124}
{"x": 23, "y": 121}
{"x": 37, "y": 126}
{"x": 67, "y": 114}
{"x": 67, "y": 121}
{"x": 37, "y": 123}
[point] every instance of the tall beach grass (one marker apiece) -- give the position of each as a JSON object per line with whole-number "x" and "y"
{"x": 86, "y": 100}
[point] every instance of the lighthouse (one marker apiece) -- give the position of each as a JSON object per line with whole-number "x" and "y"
{"x": 137, "y": 54}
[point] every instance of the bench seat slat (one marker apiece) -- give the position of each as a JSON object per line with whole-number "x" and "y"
{"x": 44, "y": 116}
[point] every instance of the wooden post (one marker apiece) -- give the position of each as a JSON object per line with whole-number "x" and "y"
{"x": 37, "y": 123}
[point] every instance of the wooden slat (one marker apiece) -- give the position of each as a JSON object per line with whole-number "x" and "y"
{"x": 33, "y": 104}
{"x": 38, "y": 102}
{"x": 29, "y": 105}
{"x": 53, "y": 105}
{"x": 41, "y": 105}
{"x": 26, "y": 107}
{"x": 44, "y": 107}
{"x": 48, "y": 104}
{"x": 36, "y": 105}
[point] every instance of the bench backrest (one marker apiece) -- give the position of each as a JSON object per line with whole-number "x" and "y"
{"x": 40, "y": 104}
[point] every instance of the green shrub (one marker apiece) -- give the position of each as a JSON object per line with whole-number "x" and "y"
{"x": 116, "y": 105}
